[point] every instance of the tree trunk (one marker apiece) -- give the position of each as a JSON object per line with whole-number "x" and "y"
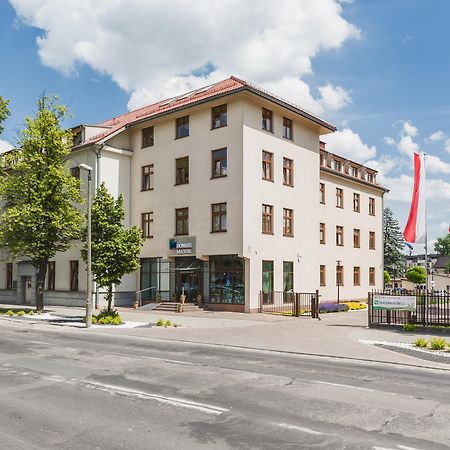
{"x": 109, "y": 297}
{"x": 40, "y": 284}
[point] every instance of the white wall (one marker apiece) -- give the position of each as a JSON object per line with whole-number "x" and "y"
{"x": 299, "y": 249}
{"x": 347, "y": 254}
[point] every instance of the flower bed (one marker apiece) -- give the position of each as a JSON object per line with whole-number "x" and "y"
{"x": 329, "y": 307}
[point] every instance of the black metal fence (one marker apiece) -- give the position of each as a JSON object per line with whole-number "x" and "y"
{"x": 290, "y": 303}
{"x": 431, "y": 309}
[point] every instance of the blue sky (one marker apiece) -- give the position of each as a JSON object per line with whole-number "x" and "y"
{"x": 376, "y": 68}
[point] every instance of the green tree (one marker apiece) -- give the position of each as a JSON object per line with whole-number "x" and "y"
{"x": 387, "y": 277}
{"x": 442, "y": 245}
{"x": 447, "y": 269}
{"x": 393, "y": 244}
{"x": 4, "y": 112}
{"x": 115, "y": 249}
{"x": 39, "y": 217}
{"x": 416, "y": 275}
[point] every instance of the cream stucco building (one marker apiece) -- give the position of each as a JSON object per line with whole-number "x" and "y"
{"x": 235, "y": 194}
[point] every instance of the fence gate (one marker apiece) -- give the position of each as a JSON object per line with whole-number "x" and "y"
{"x": 290, "y": 303}
{"x": 431, "y": 309}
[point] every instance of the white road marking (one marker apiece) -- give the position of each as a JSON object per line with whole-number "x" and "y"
{"x": 297, "y": 428}
{"x": 404, "y": 447}
{"x": 173, "y": 361}
{"x": 203, "y": 407}
{"x": 359, "y": 388}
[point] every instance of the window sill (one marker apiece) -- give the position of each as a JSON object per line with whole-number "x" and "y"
{"x": 268, "y": 131}
{"x": 147, "y": 146}
{"x": 340, "y": 207}
{"x": 288, "y": 235}
{"x": 181, "y": 137}
{"x": 181, "y": 234}
{"x": 218, "y": 231}
{"x": 268, "y": 179}
{"x": 339, "y": 245}
{"x": 288, "y": 185}
{"x": 145, "y": 190}
{"x": 288, "y": 139}
{"x": 322, "y": 243}
{"x": 221, "y": 126}
{"x": 267, "y": 232}
{"x": 219, "y": 176}
{"x": 181, "y": 184}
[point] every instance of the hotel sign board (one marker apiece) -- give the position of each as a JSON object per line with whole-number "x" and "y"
{"x": 394, "y": 302}
{"x": 183, "y": 245}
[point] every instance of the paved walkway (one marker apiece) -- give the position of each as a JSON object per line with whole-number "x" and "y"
{"x": 336, "y": 335}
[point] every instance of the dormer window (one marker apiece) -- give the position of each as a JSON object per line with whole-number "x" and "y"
{"x": 337, "y": 165}
{"x": 370, "y": 177}
{"x": 78, "y": 138}
{"x": 355, "y": 172}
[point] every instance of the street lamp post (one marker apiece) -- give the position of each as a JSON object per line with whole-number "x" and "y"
{"x": 89, "y": 248}
{"x": 338, "y": 277}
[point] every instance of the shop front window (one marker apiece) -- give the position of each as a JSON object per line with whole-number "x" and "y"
{"x": 226, "y": 279}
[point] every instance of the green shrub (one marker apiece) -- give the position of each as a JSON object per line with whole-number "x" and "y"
{"x": 160, "y": 323}
{"x": 409, "y": 327}
{"x": 421, "y": 343}
{"x": 438, "y": 344}
{"x": 10, "y": 312}
{"x": 21, "y": 313}
{"x": 168, "y": 323}
{"x": 30, "y": 312}
{"x": 105, "y": 317}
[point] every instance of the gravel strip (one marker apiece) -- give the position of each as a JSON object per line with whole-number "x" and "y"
{"x": 427, "y": 356}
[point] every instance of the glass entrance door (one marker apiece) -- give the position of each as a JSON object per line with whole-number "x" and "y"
{"x": 189, "y": 285}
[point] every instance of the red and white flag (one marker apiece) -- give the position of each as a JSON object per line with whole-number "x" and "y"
{"x": 415, "y": 230}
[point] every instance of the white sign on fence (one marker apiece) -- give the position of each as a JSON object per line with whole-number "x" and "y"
{"x": 396, "y": 302}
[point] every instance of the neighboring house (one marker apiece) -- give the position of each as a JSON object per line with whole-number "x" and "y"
{"x": 419, "y": 260}
{"x": 235, "y": 194}
{"x": 440, "y": 277}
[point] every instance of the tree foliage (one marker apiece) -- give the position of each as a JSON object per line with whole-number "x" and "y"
{"x": 393, "y": 244}
{"x": 4, "y": 112}
{"x": 387, "y": 277}
{"x": 39, "y": 217}
{"x": 442, "y": 245}
{"x": 115, "y": 249}
{"x": 447, "y": 269}
{"x": 416, "y": 275}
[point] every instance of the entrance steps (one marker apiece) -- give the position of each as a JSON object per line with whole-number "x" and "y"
{"x": 176, "y": 307}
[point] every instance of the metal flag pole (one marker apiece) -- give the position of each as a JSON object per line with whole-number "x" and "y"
{"x": 426, "y": 238}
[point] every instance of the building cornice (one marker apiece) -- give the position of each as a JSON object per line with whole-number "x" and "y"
{"x": 353, "y": 179}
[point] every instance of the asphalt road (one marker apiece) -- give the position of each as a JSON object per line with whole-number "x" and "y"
{"x": 74, "y": 389}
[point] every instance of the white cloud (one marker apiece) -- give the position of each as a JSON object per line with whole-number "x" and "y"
{"x": 436, "y": 136}
{"x": 383, "y": 166}
{"x": 401, "y": 188}
{"x": 408, "y": 146}
{"x": 5, "y": 146}
{"x": 349, "y": 144}
{"x": 151, "y": 48}
{"x": 447, "y": 146}
{"x": 409, "y": 129}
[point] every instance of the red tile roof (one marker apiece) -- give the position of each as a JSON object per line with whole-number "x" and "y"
{"x": 219, "y": 89}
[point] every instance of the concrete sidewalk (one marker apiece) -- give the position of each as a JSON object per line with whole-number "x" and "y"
{"x": 336, "y": 335}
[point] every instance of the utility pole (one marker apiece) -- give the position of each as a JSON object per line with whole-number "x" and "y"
{"x": 89, "y": 248}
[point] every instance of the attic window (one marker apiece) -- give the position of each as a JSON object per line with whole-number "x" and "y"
{"x": 78, "y": 138}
